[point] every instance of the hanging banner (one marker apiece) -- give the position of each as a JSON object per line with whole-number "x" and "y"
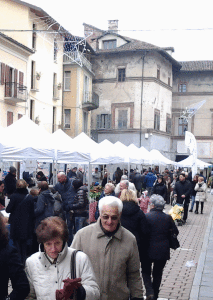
{"x": 191, "y": 144}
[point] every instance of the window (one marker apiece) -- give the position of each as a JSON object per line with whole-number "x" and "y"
{"x": 121, "y": 74}
{"x": 34, "y": 37}
{"x": 32, "y": 109}
{"x": 67, "y": 79}
{"x": 104, "y": 121}
{"x": 85, "y": 121}
{"x": 182, "y": 88}
{"x": 111, "y": 44}
{"x": 9, "y": 118}
{"x": 33, "y": 79}
{"x": 67, "y": 115}
{"x": 168, "y": 124}
{"x": 86, "y": 89}
{"x": 158, "y": 73}
{"x": 157, "y": 120}
{"x": 54, "y": 119}
{"x": 55, "y": 50}
{"x": 122, "y": 119}
{"x": 182, "y": 126}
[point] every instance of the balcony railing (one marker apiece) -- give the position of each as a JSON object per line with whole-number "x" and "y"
{"x": 15, "y": 92}
{"x": 90, "y": 101}
{"x": 77, "y": 57}
{"x": 55, "y": 92}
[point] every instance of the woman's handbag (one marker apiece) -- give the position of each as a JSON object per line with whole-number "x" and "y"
{"x": 173, "y": 241}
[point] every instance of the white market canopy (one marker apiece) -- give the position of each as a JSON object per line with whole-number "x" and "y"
{"x": 158, "y": 158}
{"x": 188, "y": 162}
{"x": 25, "y": 140}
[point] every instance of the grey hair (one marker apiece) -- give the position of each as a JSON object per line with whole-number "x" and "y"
{"x": 110, "y": 201}
{"x": 157, "y": 201}
{"x": 61, "y": 173}
{"x": 124, "y": 177}
{"x": 126, "y": 182}
{"x": 111, "y": 185}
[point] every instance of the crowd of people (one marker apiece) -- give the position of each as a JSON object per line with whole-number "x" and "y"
{"x": 126, "y": 240}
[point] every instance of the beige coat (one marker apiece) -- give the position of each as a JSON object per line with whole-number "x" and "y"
{"x": 115, "y": 261}
{"x": 201, "y": 195}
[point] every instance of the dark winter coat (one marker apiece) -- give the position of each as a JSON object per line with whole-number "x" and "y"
{"x": 9, "y": 184}
{"x": 149, "y": 179}
{"x": 80, "y": 204}
{"x": 44, "y": 207}
{"x": 193, "y": 192}
{"x": 67, "y": 193}
{"x": 12, "y": 268}
{"x": 133, "y": 219}
{"x": 26, "y": 218}
{"x": 2, "y": 199}
{"x": 138, "y": 181}
{"x": 182, "y": 188}
{"x": 160, "y": 189}
{"x": 159, "y": 226}
{"x": 13, "y": 208}
{"x": 71, "y": 174}
{"x": 43, "y": 178}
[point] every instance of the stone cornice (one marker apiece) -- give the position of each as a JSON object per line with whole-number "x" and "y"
{"x": 129, "y": 79}
{"x": 192, "y": 94}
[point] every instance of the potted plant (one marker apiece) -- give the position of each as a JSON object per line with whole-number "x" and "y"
{"x": 38, "y": 75}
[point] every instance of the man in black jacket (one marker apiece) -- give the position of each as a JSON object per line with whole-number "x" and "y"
{"x": 67, "y": 192}
{"x": 182, "y": 191}
{"x": 10, "y": 182}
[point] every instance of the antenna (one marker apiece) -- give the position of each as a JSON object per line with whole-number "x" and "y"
{"x": 191, "y": 110}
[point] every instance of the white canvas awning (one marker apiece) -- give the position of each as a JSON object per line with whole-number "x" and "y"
{"x": 188, "y": 162}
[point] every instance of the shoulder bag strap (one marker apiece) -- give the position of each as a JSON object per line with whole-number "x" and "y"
{"x": 73, "y": 270}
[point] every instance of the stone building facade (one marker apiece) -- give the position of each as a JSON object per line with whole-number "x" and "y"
{"x": 133, "y": 80}
{"x": 192, "y": 84}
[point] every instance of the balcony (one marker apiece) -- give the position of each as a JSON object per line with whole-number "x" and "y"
{"x": 76, "y": 57}
{"x": 15, "y": 92}
{"x": 56, "y": 92}
{"x": 90, "y": 101}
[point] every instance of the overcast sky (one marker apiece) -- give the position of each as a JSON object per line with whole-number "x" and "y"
{"x": 135, "y": 16}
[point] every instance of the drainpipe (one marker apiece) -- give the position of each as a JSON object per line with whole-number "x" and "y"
{"x": 143, "y": 56}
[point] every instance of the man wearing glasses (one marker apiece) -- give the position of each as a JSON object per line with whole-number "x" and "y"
{"x": 113, "y": 253}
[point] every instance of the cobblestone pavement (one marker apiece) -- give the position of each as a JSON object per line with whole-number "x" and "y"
{"x": 178, "y": 279}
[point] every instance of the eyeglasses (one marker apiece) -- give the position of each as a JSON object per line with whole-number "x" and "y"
{"x": 113, "y": 218}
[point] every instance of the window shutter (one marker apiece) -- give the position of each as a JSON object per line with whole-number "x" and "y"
{"x": 21, "y": 79}
{"x": 98, "y": 121}
{"x": 108, "y": 122}
{"x": 7, "y": 84}
{"x": 15, "y": 82}
{"x": 169, "y": 125}
{"x": 2, "y": 73}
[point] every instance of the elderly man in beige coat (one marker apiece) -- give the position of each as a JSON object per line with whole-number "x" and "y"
{"x": 113, "y": 252}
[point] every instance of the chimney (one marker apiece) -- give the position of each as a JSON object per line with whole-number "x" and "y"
{"x": 113, "y": 26}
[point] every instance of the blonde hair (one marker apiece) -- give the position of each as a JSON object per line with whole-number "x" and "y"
{"x": 111, "y": 185}
{"x": 200, "y": 177}
{"x": 128, "y": 195}
{"x": 21, "y": 184}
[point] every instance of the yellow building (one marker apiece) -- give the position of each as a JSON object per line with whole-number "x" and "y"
{"x": 78, "y": 98}
{"x": 39, "y": 42}
{"x": 14, "y": 58}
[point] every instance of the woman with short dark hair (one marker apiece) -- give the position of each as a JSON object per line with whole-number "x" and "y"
{"x": 49, "y": 270}
{"x": 11, "y": 268}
